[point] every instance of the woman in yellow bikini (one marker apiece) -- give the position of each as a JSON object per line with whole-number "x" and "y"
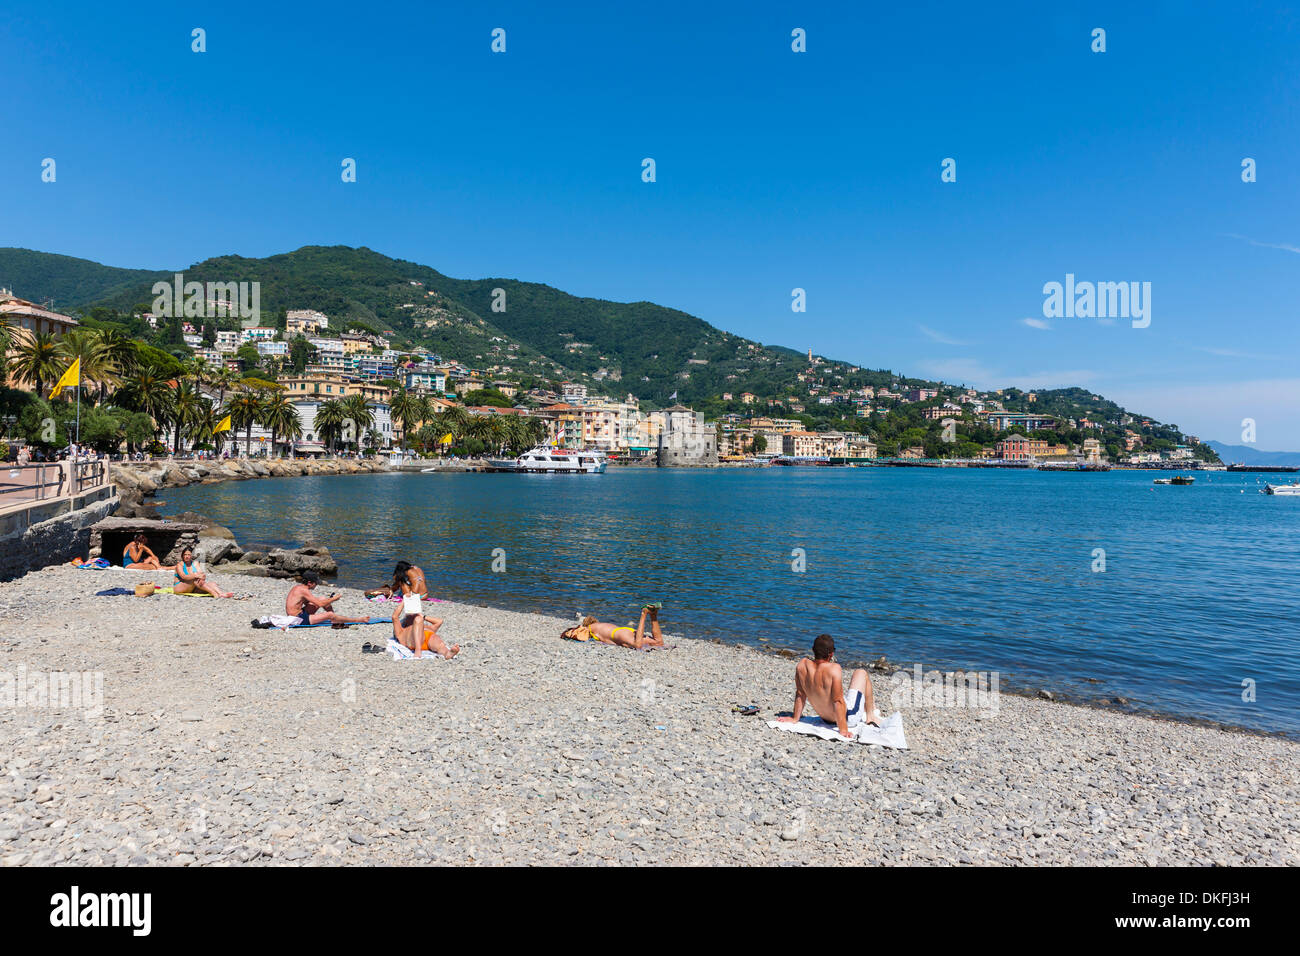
{"x": 624, "y": 636}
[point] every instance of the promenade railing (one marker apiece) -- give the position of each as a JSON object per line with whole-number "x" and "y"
{"x": 22, "y": 484}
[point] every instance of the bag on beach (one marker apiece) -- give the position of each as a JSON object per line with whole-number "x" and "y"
{"x": 145, "y": 588}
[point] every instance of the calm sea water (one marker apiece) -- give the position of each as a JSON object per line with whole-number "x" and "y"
{"x": 953, "y": 568}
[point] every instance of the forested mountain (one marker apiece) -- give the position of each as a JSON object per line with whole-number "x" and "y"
{"x": 537, "y": 334}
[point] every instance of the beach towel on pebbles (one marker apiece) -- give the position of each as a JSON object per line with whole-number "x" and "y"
{"x": 888, "y": 734}
{"x": 401, "y": 652}
{"x": 283, "y": 621}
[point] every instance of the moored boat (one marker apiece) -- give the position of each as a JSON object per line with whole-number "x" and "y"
{"x": 1292, "y": 489}
{"x": 553, "y": 461}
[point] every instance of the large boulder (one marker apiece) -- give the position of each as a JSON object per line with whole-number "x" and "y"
{"x": 218, "y": 550}
{"x": 174, "y": 476}
{"x": 312, "y": 558}
{"x": 245, "y": 567}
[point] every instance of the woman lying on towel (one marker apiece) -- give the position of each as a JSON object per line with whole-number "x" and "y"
{"x": 623, "y": 635}
{"x": 407, "y": 626}
{"x": 192, "y": 577}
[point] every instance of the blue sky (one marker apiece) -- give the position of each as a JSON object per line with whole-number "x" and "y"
{"x": 775, "y": 169}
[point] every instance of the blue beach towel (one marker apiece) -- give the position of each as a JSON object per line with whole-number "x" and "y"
{"x": 99, "y": 564}
{"x": 115, "y": 592}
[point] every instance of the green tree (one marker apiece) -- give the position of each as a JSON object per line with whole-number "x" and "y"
{"x": 245, "y": 410}
{"x": 37, "y": 361}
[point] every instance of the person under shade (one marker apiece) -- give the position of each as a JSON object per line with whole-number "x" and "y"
{"x": 820, "y": 681}
{"x": 303, "y": 604}
{"x": 137, "y": 555}
{"x": 621, "y": 635}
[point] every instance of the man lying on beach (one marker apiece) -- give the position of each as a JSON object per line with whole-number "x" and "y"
{"x": 820, "y": 682}
{"x": 621, "y": 634}
{"x": 138, "y": 555}
{"x": 303, "y": 604}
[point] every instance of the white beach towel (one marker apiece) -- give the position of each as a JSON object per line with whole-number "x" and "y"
{"x": 401, "y": 652}
{"x": 888, "y": 734}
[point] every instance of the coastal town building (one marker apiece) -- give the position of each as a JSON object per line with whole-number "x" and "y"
{"x": 305, "y": 321}
{"x": 1020, "y": 448}
{"x": 1001, "y": 421}
{"x": 31, "y": 318}
{"x": 683, "y": 438}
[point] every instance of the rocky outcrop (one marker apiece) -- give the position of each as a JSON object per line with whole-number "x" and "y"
{"x": 138, "y": 480}
{"x": 276, "y": 563}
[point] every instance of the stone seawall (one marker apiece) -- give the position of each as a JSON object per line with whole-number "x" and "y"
{"x": 51, "y": 533}
{"x": 136, "y": 480}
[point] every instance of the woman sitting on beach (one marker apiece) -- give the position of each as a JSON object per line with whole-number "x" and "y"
{"x": 623, "y": 635}
{"x": 409, "y": 620}
{"x": 404, "y": 575}
{"x": 138, "y": 556}
{"x": 192, "y": 577}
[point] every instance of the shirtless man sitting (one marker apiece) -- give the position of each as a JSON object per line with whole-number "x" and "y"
{"x": 820, "y": 682}
{"x": 303, "y": 604}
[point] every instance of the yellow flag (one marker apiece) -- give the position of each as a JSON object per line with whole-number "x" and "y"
{"x": 70, "y": 379}
{"x": 222, "y": 426}
{"x": 446, "y": 439}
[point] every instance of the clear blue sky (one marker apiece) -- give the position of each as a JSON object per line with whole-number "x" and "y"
{"x": 776, "y": 170}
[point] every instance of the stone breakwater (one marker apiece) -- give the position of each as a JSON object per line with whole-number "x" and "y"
{"x": 137, "y": 480}
{"x": 215, "y": 743}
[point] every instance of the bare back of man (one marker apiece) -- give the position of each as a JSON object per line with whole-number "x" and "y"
{"x": 819, "y": 681}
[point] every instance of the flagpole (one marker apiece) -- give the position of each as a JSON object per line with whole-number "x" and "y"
{"x": 78, "y": 400}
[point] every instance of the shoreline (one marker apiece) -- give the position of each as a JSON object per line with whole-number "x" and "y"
{"x": 1029, "y": 689}
{"x": 293, "y": 747}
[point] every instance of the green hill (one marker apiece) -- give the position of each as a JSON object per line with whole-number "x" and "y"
{"x": 544, "y": 334}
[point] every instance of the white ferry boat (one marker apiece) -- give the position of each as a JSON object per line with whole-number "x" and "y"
{"x": 550, "y": 461}
{"x": 1293, "y": 489}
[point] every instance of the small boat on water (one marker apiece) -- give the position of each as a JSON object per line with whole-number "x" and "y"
{"x": 553, "y": 461}
{"x": 1292, "y": 489}
{"x": 1176, "y": 480}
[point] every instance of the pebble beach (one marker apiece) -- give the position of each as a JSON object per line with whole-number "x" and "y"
{"x": 217, "y": 743}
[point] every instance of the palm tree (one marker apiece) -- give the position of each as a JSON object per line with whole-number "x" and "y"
{"x": 281, "y": 417}
{"x": 405, "y": 408}
{"x": 189, "y": 409}
{"x": 534, "y": 432}
{"x": 97, "y": 364}
{"x": 495, "y": 432}
{"x": 357, "y": 410}
{"x": 146, "y": 390}
{"x": 36, "y": 360}
{"x": 329, "y": 421}
{"x": 6, "y": 343}
{"x": 119, "y": 349}
{"x": 244, "y": 409}
{"x": 223, "y": 379}
{"x": 203, "y": 430}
